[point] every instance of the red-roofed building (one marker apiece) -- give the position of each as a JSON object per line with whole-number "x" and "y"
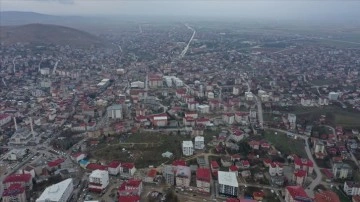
{"x": 114, "y": 167}
{"x": 258, "y": 195}
{"x": 129, "y": 198}
{"x": 15, "y": 192}
{"x": 130, "y": 187}
{"x": 304, "y": 164}
{"x": 179, "y": 163}
{"x": 203, "y": 177}
{"x": 127, "y": 169}
{"x": 95, "y": 166}
{"x": 326, "y": 196}
{"x": 214, "y": 166}
{"x": 299, "y": 176}
{"x": 4, "y": 119}
{"x": 24, "y": 180}
{"x": 254, "y": 144}
{"x": 53, "y": 165}
{"x": 295, "y": 194}
{"x": 151, "y": 175}
{"x": 78, "y": 156}
{"x": 202, "y": 121}
{"x": 234, "y": 169}
{"x": 159, "y": 120}
{"x": 276, "y": 168}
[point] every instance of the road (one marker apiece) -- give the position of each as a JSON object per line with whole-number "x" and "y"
{"x": 14, "y": 66}
{"x": 260, "y": 111}
{"x": 188, "y": 45}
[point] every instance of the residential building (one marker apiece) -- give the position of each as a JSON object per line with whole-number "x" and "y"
{"x": 275, "y": 168}
{"x": 127, "y": 169}
{"x": 203, "y": 177}
{"x": 299, "y": 177}
{"x": 228, "y": 184}
{"x": 59, "y": 192}
{"x": 342, "y": 171}
{"x": 4, "y": 119}
{"x": 150, "y": 175}
{"x": 78, "y": 156}
{"x": 183, "y": 176}
{"x": 296, "y": 194}
{"x": 159, "y": 120}
{"x": 352, "y": 188}
{"x": 169, "y": 175}
{"x": 304, "y": 164}
{"x": 115, "y": 111}
{"x": 292, "y": 121}
{"x": 199, "y": 142}
{"x": 98, "y": 180}
{"x": 114, "y": 167}
{"x": 16, "y": 192}
{"x": 24, "y": 180}
{"x": 333, "y": 96}
{"x": 187, "y": 148}
{"x": 131, "y": 187}
{"x": 326, "y": 196}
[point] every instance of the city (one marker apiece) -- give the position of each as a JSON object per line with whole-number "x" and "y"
{"x": 179, "y": 111}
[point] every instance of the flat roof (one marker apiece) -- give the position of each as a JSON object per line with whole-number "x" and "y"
{"x": 228, "y": 178}
{"x": 55, "y": 191}
{"x": 187, "y": 144}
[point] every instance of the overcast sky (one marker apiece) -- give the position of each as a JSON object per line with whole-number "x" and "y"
{"x": 275, "y": 9}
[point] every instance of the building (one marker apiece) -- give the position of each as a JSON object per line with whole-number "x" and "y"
{"x": 275, "y": 168}
{"x": 16, "y": 192}
{"x": 203, "y": 109}
{"x": 24, "y": 180}
{"x": 183, "y": 176}
{"x": 228, "y": 184}
{"x": 59, "y": 192}
{"x": 114, "y": 167}
{"x": 159, "y": 120}
{"x": 187, "y": 148}
{"x": 115, "y": 112}
{"x": 342, "y": 171}
{"x": 127, "y": 169}
{"x": 326, "y": 196}
{"x": 304, "y": 164}
{"x": 352, "y": 188}
{"x": 169, "y": 175}
{"x": 203, "y": 177}
{"x": 199, "y": 142}
{"x": 296, "y": 194}
{"x": 98, "y": 180}
{"x": 292, "y": 121}
{"x": 299, "y": 176}
{"x": 151, "y": 175}
{"x": 78, "y": 157}
{"x": 334, "y": 96}
{"x": 131, "y": 187}
{"x": 4, "y": 119}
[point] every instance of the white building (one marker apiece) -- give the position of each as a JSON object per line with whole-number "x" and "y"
{"x": 98, "y": 180}
{"x": 292, "y": 121}
{"x": 334, "y": 96}
{"x": 188, "y": 148}
{"x": 275, "y": 168}
{"x": 59, "y": 192}
{"x": 137, "y": 84}
{"x": 228, "y": 184}
{"x": 103, "y": 83}
{"x": 204, "y": 109}
{"x": 236, "y": 90}
{"x": 352, "y": 188}
{"x": 249, "y": 96}
{"x": 45, "y": 71}
{"x": 199, "y": 142}
{"x": 115, "y": 112}
{"x": 183, "y": 176}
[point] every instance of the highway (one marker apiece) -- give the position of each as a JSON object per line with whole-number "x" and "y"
{"x": 188, "y": 45}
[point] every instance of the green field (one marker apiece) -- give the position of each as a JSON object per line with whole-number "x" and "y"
{"x": 285, "y": 144}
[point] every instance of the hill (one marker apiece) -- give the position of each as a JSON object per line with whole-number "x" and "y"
{"x": 42, "y": 34}
{"x": 22, "y": 18}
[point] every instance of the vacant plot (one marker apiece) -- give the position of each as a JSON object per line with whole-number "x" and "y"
{"x": 285, "y": 144}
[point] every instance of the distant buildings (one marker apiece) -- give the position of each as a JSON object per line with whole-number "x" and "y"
{"x": 59, "y": 192}
{"x": 228, "y": 184}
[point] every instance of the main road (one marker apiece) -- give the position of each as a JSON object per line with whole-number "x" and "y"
{"x": 188, "y": 45}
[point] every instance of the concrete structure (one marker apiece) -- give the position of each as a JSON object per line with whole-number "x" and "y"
{"x": 352, "y": 188}
{"x": 296, "y": 194}
{"x": 334, "y": 96}
{"x": 292, "y": 121}
{"x": 114, "y": 167}
{"x": 115, "y": 112}
{"x": 228, "y": 184}
{"x": 15, "y": 193}
{"x": 187, "y": 148}
{"x": 203, "y": 178}
{"x": 275, "y": 168}
{"x": 342, "y": 171}
{"x": 204, "y": 109}
{"x": 169, "y": 175}
{"x": 59, "y": 192}
{"x": 199, "y": 142}
{"x": 98, "y": 180}
{"x": 183, "y": 176}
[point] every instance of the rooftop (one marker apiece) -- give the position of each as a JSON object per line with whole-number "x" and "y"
{"x": 228, "y": 178}
{"x": 56, "y": 191}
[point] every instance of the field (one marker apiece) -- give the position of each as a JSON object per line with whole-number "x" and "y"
{"x": 285, "y": 144}
{"x": 142, "y": 148}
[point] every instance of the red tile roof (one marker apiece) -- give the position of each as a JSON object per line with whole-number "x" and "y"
{"x": 129, "y": 198}
{"x": 233, "y": 168}
{"x": 114, "y": 164}
{"x": 128, "y": 165}
{"x": 203, "y": 174}
{"x": 18, "y": 178}
{"x": 94, "y": 166}
{"x": 214, "y": 164}
{"x": 55, "y": 163}
{"x": 296, "y": 191}
{"x": 13, "y": 190}
{"x": 152, "y": 173}
{"x": 179, "y": 163}
{"x": 327, "y": 196}
{"x": 300, "y": 173}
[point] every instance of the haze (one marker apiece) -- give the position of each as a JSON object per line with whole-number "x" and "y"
{"x": 334, "y": 11}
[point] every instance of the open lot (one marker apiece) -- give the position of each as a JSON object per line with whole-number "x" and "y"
{"x": 285, "y": 144}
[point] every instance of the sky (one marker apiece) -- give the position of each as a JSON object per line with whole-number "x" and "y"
{"x": 274, "y": 9}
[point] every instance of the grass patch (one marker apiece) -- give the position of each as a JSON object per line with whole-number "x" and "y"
{"x": 285, "y": 144}
{"x": 342, "y": 196}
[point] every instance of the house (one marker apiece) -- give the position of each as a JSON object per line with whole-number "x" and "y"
{"x": 78, "y": 156}
{"x": 326, "y": 196}
{"x": 295, "y": 194}
{"x": 94, "y": 166}
{"x": 228, "y": 184}
{"x": 202, "y": 121}
{"x": 304, "y": 164}
{"x": 24, "y": 180}
{"x": 228, "y": 118}
{"x": 237, "y": 135}
{"x": 234, "y": 169}
{"x": 214, "y": 166}
{"x": 199, "y": 142}
{"x": 299, "y": 176}
{"x": 130, "y": 198}
{"x": 292, "y": 121}
{"x": 169, "y": 175}
{"x": 98, "y": 180}
{"x": 254, "y": 144}
{"x": 352, "y": 188}
{"x": 226, "y": 161}
{"x": 56, "y": 164}
{"x": 159, "y": 120}
{"x": 114, "y": 167}
{"x": 183, "y": 176}
{"x": 242, "y": 118}
{"x": 203, "y": 177}
{"x": 127, "y": 169}
{"x": 15, "y": 192}
{"x": 342, "y": 171}
{"x": 258, "y": 195}
{"x": 131, "y": 187}
{"x": 187, "y": 148}
{"x": 275, "y": 168}
{"x": 150, "y": 175}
